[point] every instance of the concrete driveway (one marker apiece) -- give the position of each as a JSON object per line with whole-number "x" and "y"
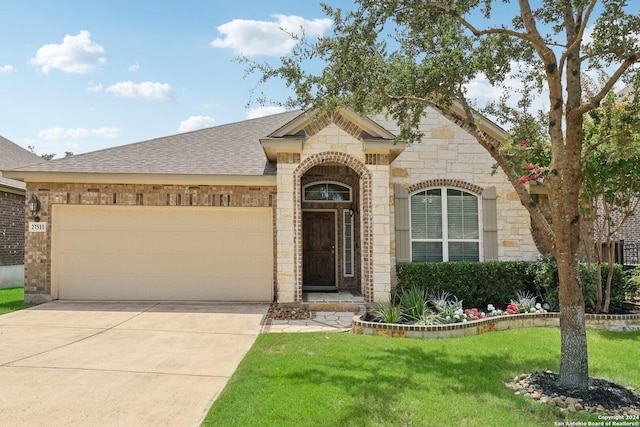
{"x": 137, "y": 363}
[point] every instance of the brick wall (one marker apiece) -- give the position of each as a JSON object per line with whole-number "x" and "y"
{"x": 11, "y": 229}
{"x": 38, "y": 245}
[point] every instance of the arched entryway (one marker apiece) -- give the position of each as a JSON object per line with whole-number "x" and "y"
{"x": 333, "y": 221}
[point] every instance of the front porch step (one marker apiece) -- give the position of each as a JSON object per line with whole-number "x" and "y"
{"x": 332, "y": 306}
{"x": 333, "y": 301}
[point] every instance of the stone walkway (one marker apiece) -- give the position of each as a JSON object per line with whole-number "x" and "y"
{"x": 320, "y": 321}
{"x": 330, "y": 312}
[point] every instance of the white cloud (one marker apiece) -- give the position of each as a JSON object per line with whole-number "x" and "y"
{"x": 133, "y": 68}
{"x": 254, "y": 113}
{"x": 481, "y": 91}
{"x": 251, "y": 38}
{"x": 94, "y": 87}
{"x": 195, "y": 123}
{"x": 144, "y": 90}
{"x": 7, "y": 69}
{"x": 58, "y": 133}
{"x": 76, "y": 54}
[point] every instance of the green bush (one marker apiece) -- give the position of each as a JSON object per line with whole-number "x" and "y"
{"x": 478, "y": 284}
{"x": 546, "y": 283}
{"x": 633, "y": 282}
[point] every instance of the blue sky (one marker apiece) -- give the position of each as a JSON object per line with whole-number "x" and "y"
{"x": 84, "y": 75}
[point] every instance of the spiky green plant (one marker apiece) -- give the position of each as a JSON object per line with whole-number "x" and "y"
{"x": 388, "y": 313}
{"x": 413, "y": 302}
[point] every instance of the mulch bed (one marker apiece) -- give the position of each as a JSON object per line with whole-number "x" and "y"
{"x": 603, "y": 397}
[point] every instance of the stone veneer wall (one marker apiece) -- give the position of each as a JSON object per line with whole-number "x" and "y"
{"x": 38, "y": 245}
{"x": 449, "y": 154}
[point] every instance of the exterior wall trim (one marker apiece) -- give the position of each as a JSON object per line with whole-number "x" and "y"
{"x": 464, "y": 185}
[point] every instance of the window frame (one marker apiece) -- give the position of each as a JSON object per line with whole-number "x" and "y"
{"x": 348, "y": 187}
{"x": 444, "y": 239}
{"x": 347, "y": 257}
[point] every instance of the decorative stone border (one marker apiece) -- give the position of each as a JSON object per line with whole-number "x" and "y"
{"x": 610, "y": 322}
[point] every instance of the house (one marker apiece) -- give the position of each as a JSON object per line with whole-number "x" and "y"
{"x": 268, "y": 209}
{"x": 12, "y": 207}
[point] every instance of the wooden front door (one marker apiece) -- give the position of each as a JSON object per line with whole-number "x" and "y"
{"x": 318, "y": 250}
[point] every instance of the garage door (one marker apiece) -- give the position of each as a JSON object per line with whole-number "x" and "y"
{"x": 162, "y": 253}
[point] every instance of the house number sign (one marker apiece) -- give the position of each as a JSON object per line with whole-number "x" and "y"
{"x": 37, "y": 227}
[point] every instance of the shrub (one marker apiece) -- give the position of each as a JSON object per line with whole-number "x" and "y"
{"x": 547, "y": 283}
{"x": 633, "y": 282}
{"x": 475, "y": 283}
{"x": 478, "y": 284}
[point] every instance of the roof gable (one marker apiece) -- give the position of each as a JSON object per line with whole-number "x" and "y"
{"x": 290, "y": 137}
{"x": 13, "y": 156}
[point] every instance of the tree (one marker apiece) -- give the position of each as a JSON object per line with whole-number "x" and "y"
{"x": 49, "y": 156}
{"x": 612, "y": 178}
{"x": 404, "y": 56}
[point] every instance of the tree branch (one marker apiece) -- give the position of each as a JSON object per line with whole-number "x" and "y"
{"x": 594, "y": 102}
{"x": 583, "y": 25}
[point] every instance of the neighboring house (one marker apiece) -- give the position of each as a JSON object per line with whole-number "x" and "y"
{"x": 12, "y": 208}
{"x": 268, "y": 209}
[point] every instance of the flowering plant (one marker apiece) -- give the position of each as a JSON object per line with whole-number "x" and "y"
{"x": 445, "y": 308}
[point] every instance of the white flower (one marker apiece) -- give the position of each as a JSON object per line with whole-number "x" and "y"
{"x": 490, "y": 307}
{"x": 538, "y": 306}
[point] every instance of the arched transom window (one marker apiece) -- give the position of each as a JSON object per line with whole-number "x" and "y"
{"x": 326, "y": 192}
{"x": 445, "y": 225}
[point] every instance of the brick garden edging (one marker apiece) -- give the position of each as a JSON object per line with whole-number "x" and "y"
{"x": 610, "y": 322}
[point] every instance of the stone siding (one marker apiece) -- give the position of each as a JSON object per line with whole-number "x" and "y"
{"x": 448, "y": 155}
{"x": 38, "y": 245}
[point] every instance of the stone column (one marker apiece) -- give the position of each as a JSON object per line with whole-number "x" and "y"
{"x": 381, "y": 231}
{"x": 285, "y": 234}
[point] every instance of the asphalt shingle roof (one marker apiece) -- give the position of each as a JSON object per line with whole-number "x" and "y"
{"x": 13, "y": 156}
{"x": 230, "y": 149}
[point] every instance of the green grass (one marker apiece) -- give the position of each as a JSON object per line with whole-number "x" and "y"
{"x": 12, "y": 299}
{"x": 333, "y": 379}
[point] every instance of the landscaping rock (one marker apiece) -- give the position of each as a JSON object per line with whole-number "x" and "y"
{"x": 294, "y": 313}
{"x": 603, "y": 397}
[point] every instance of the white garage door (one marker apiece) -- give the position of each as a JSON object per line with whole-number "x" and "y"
{"x": 162, "y": 253}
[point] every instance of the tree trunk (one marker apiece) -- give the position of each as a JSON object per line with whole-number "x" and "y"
{"x": 574, "y": 367}
{"x": 610, "y": 272}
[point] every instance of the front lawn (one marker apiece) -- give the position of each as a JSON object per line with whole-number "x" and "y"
{"x": 12, "y": 299}
{"x": 333, "y": 379}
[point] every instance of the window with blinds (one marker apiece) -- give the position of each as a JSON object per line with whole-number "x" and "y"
{"x": 444, "y": 225}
